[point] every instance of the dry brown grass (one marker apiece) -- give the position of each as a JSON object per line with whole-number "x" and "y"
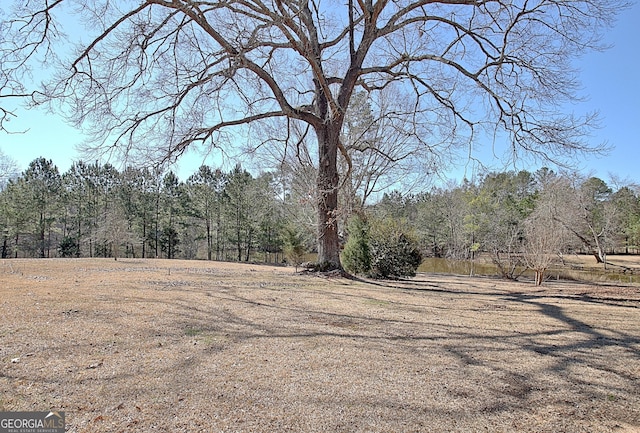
{"x": 614, "y": 261}
{"x": 176, "y": 346}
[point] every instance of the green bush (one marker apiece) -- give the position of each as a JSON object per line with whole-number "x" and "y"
{"x": 356, "y": 257}
{"x": 294, "y": 249}
{"x": 380, "y": 249}
{"x": 394, "y": 251}
{"x": 69, "y": 247}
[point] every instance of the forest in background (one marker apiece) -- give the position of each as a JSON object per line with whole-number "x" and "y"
{"x": 95, "y": 210}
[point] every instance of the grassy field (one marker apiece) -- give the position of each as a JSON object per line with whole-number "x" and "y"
{"x": 184, "y": 346}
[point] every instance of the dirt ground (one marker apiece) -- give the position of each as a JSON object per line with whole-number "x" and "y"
{"x": 184, "y": 346}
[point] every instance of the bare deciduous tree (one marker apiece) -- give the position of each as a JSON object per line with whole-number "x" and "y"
{"x": 380, "y": 151}
{"x": 115, "y": 231}
{"x": 8, "y": 169}
{"x": 587, "y": 211}
{"x": 158, "y": 76}
{"x": 545, "y": 236}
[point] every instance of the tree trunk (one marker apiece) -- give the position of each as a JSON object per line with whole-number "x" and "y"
{"x": 49, "y": 240}
{"x": 5, "y": 247}
{"x": 218, "y": 235}
{"x": 238, "y": 236}
{"x": 78, "y": 234}
{"x": 597, "y": 256}
{"x": 41, "y": 236}
{"x": 209, "y": 240}
{"x": 156, "y": 240}
{"x": 144, "y": 234}
{"x": 248, "y": 245}
{"x": 539, "y": 277}
{"x": 327, "y": 196}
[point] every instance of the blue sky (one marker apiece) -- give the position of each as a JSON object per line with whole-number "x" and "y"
{"x": 610, "y": 82}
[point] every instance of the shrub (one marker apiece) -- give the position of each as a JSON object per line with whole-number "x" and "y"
{"x": 69, "y": 247}
{"x": 356, "y": 257}
{"x": 380, "y": 249}
{"x": 294, "y": 249}
{"x": 394, "y": 251}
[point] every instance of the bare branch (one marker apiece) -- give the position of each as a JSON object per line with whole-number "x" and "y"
{"x": 165, "y": 74}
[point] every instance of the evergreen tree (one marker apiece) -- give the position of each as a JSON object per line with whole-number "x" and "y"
{"x": 356, "y": 256}
{"x": 18, "y": 217}
{"x": 294, "y": 249}
{"x": 206, "y": 194}
{"x": 43, "y": 183}
{"x": 172, "y": 207}
{"x": 239, "y": 207}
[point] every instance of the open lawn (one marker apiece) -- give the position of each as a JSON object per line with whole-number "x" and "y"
{"x": 184, "y": 346}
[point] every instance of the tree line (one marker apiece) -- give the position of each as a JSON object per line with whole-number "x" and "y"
{"x": 522, "y": 220}
{"x": 95, "y": 210}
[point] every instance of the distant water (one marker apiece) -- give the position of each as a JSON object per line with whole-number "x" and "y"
{"x": 457, "y": 267}
{"x": 466, "y": 267}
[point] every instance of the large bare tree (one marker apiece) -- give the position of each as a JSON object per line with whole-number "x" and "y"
{"x": 151, "y": 78}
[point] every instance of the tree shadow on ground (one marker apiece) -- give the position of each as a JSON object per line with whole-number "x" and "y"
{"x": 455, "y": 351}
